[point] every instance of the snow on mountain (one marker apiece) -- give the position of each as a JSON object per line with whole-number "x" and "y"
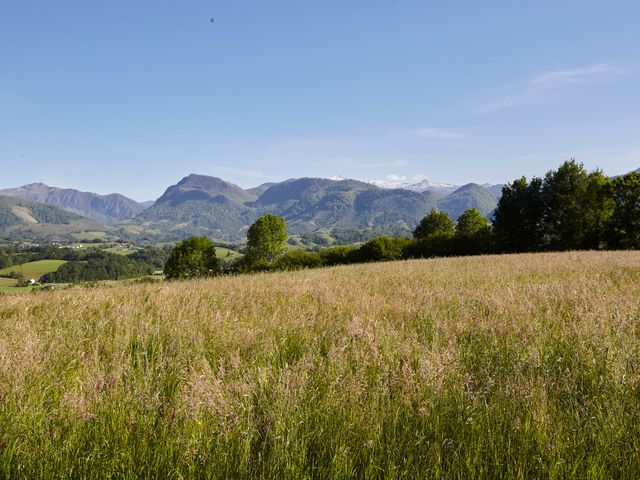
{"x": 421, "y": 186}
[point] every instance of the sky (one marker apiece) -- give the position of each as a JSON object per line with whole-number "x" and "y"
{"x": 130, "y": 96}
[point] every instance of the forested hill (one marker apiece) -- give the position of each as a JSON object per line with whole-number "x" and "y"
{"x": 22, "y": 220}
{"x": 16, "y": 211}
{"x": 202, "y": 205}
{"x": 106, "y": 209}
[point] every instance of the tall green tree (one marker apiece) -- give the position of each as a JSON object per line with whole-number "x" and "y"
{"x": 266, "y": 240}
{"x": 624, "y": 224}
{"x": 471, "y": 223}
{"x": 599, "y": 206}
{"x": 434, "y": 222}
{"x": 518, "y": 218}
{"x": 473, "y": 233}
{"x": 192, "y": 258}
{"x": 577, "y": 207}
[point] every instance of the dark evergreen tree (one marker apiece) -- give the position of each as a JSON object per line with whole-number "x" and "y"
{"x": 624, "y": 223}
{"x": 518, "y": 219}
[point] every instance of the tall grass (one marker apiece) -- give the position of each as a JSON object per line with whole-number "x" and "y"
{"x": 521, "y": 366}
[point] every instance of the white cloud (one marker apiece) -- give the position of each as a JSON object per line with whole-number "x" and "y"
{"x": 437, "y": 133}
{"x": 593, "y": 73}
{"x": 396, "y": 178}
{"x": 538, "y": 88}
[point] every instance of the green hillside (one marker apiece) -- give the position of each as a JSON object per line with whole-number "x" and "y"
{"x": 468, "y": 196}
{"x": 16, "y": 211}
{"x": 200, "y": 205}
{"x": 27, "y": 220}
{"x": 107, "y": 209}
{"x": 34, "y": 269}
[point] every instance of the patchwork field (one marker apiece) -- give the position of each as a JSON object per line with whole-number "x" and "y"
{"x": 7, "y": 284}
{"x": 518, "y": 366}
{"x": 34, "y": 269}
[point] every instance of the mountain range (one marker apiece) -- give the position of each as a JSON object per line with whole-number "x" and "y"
{"x": 205, "y": 205}
{"x": 421, "y": 186}
{"x": 106, "y": 209}
{"x": 22, "y": 219}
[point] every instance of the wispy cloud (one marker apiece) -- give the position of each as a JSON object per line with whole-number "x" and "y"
{"x": 539, "y": 88}
{"x": 593, "y": 73}
{"x": 437, "y": 133}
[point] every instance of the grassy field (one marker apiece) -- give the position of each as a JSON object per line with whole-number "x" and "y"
{"x": 34, "y": 269}
{"x": 89, "y": 235}
{"x": 227, "y": 255}
{"x": 7, "y": 284}
{"x": 121, "y": 251}
{"x": 521, "y": 366}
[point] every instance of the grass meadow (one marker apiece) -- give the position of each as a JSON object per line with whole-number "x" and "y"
{"x": 515, "y": 366}
{"x": 34, "y": 269}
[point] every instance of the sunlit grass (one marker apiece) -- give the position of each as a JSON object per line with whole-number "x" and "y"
{"x": 505, "y": 366}
{"x": 34, "y": 269}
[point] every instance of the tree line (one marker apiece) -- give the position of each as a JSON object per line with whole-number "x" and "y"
{"x": 568, "y": 209}
{"x": 87, "y": 264}
{"x": 95, "y": 265}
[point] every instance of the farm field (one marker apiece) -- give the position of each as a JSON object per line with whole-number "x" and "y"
{"x": 121, "y": 251}
{"x": 227, "y": 255}
{"x": 34, "y": 269}
{"x": 512, "y": 366}
{"x": 7, "y": 284}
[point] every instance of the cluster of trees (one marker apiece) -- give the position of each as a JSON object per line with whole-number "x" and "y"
{"x": 14, "y": 255}
{"x": 196, "y": 256}
{"x": 97, "y": 266}
{"x": 90, "y": 264}
{"x": 11, "y": 255}
{"x": 568, "y": 209}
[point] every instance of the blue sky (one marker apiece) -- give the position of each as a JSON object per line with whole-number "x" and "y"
{"x": 130, "y": 96}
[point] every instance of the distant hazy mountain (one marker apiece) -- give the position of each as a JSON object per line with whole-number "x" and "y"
{"x": 107, "y": 209}
{"x": 312, "y": 203}
{"x": 202, "y": 187}
{"x": 496, "y": 190}
{"x": 202, "y": 205}
{"x": 468, "y": 196}
{"x": 198, "y": 205}
{"x": 22, "y": 219}
{"x": 17, "y": 211}
{"x": 260, "y": 189}
{"x": 422, "y": 186}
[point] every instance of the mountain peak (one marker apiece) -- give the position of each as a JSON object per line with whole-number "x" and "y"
{"x": 203, "y": 187}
